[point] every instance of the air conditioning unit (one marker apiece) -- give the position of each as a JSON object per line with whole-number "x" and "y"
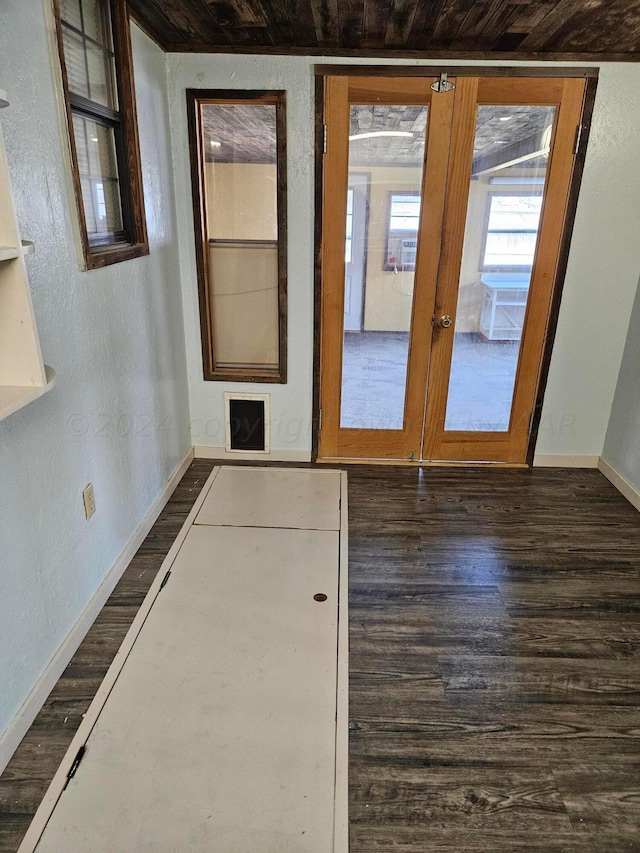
{"x": 408, "y": 253}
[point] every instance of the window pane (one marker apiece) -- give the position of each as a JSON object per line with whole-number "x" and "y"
{"x": 494, "y": 284}
{"x": 510, "y": 250}
{"x": 70, "y": 12}
{"x": 386, "y": 173}
{"x": 96, "y": 22}
{"x": 101, "y": 76}
{"x": 515, "y": 212}
{"x": 241, "y": 195}
{"x": 349, "y": 240}
{"x": 97, "y": 164}
{"x": 405, "y": 213}
{"x": 75, "y": 62}
{"x": 89, "y": 57}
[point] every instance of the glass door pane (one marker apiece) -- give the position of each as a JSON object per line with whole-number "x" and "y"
{"x": 507, "y": 188}
{"x": 386, "y": 154}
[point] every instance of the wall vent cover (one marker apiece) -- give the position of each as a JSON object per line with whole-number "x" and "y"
{"x": 247, "y": 423}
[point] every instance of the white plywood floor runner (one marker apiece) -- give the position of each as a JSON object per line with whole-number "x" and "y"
{"x": 222, "y": 723}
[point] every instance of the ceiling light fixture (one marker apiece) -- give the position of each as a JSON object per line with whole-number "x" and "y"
{"x": 371, "y": 134}
{"x": 215, "y": 144}
{"x": 505, "y": 118}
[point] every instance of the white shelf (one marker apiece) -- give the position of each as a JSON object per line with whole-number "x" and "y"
{"x": 14, "y": 397}
{"x": 9, "y": 253}
{"x": 23, "y": 375}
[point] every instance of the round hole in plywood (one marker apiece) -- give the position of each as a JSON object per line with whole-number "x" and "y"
{"x": 319, "y": 596}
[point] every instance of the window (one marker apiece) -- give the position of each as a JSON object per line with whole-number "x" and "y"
{"x": 512, "y": 231}
{"x": 402, "y": 231}
{"x": 239, "y": 177}
{"x": 95, "y": 54}
{"x": 348, "y": 244}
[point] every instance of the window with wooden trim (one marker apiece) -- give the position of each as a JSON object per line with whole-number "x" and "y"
{"x": 238, "y": 145}
{"x": 95, "y": 55}
{"x": 402, "y": 231}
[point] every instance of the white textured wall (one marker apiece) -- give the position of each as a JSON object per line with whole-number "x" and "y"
{"x": 290, "y": 403}
{"x": 118, "y": 416}
{"x": 622, "y": 444}
{"x": 600, "y": 284}
{"x": 602, "y": 275}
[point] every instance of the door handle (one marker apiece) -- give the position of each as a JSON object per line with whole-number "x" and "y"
{"x": 445, "y": 321}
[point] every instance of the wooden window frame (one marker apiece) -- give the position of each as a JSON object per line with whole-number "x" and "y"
{"x": 512, "y": 268}
{"x": 401, "y": 235}
{"x": 133, "y": 241}
{"x": 277, "y": 98}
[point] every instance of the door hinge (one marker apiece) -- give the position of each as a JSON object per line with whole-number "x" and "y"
{"x": 443, "y": 85}
{"x": 165, "y": 579}
{"x": 76, "y": 764}
{"x": 324, "y": 138}
{"x": 531, "y": 419}
{"x": 320, "y": 419}
{"x": 576, "y": 147}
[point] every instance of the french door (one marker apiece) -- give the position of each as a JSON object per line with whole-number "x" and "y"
{"x": 467, "y": 182}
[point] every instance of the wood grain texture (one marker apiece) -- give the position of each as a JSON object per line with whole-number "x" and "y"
{"x": 435, "y": 28}
{"x": 494, "y": 663}
{"x": 199, "y": 131}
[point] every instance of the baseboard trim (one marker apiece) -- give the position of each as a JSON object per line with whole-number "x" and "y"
{"x": 621, "y": 483}
{"x": 18, "y": 727}
{"x": 542, "y": 460}
{"x": 275, "y": 455}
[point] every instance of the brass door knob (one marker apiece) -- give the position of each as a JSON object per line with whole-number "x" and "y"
{"x": 445, "y": 321}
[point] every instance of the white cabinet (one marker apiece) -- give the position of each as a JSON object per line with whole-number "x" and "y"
{"x": 23, "y": 375}
{"x": 504, "y": 302}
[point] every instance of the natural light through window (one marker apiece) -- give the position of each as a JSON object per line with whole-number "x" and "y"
{"x": 512, "y": 230}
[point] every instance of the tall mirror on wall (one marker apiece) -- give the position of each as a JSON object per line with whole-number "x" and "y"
{"x": 238, "y": 166}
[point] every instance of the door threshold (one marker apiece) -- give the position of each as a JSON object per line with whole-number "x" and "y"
{"x": 426, "y": 463}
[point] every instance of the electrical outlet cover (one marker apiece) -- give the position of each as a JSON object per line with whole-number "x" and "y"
{"x": 89, "y": 501}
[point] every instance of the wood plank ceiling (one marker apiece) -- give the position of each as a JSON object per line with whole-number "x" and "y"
{"x": 551, "y": 29}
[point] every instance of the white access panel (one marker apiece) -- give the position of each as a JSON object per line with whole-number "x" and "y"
{"x": 273, "y": 497}
{"x": 219, "y": 734}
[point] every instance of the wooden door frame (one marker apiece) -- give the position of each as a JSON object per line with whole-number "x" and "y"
{"x": 336, "y": 441}
{"x": 324, "y": 71}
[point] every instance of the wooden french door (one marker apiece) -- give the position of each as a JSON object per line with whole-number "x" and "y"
{"x": 468, "y": 190}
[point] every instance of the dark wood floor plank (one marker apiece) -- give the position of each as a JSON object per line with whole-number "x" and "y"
{"x": 492, "y": 636}
{"x": 418, "y": 839}
{"x": 463, "y": 797}
{"x": 537, "y": 680}
{"x": 601, "y": 796}
{"x": 476, "y": 734}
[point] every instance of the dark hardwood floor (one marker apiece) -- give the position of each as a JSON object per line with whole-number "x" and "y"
{"x": 495, "y": 663}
